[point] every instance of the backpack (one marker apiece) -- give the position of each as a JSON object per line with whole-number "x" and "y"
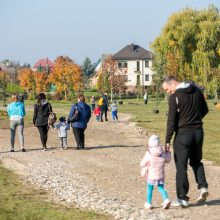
{"x": 101, "y": 102}
{"x": 52, "y": 117}
{"x": 75, "y": 116}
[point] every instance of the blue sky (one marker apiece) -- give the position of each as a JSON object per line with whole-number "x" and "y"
{"x": 33, "y": 29}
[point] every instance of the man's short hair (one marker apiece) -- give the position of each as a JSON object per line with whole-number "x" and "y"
{"x": 81, "y": 98}
{"x": 168, "y": 79}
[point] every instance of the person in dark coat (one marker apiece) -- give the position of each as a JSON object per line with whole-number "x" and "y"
{"x": 79, "y": 126}
{"x": 187, "y": 108}
{"x": 42, "y": 110}
{"x": 104, "y": 107}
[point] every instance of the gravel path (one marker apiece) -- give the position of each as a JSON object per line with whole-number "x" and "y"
{"x": 105, "y": 177}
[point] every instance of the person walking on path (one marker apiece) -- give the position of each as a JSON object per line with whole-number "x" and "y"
{"x": 114, "y": 109}
{"x": 97, "y": 113}
{"x": 16, "y": 112}
{"x": 42, "y": 110}
{"x": 103, "y": 104}
{"x": 79, "y": 126}
{"x": 92, "y": 101}
{"x": 152, "y": 166}
{"x": 145, "y": 97}
{"x": 62, "y": 126}
{"x": 187, "y": 107}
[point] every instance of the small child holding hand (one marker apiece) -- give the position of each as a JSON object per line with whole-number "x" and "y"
{"x": 152, "y": 166}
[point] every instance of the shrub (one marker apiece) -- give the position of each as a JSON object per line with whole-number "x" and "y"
{"x": 3, "y": 113}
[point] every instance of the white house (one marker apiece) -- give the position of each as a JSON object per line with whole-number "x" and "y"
{"x": 137, "y": 63}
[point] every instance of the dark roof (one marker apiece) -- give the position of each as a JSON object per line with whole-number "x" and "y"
{"x": 133, "y": 52}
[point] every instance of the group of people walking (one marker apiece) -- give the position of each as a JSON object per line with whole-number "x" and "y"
{"x": 100, "y": 107}
{"x": 42, "y": 111}
{"x": 187, "y": 108}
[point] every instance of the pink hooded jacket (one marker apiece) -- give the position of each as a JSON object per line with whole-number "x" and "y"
{"x": 153, "y": 163}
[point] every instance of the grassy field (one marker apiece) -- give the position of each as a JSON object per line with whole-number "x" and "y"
{"x": 18, "y": 202}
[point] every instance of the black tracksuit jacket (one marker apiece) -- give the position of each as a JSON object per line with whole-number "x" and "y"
{"x": 187, "y": 107}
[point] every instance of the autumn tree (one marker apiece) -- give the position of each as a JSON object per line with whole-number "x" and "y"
{"x": 116, "y": 78}
{"x": 40, "y": 80}
{"x": 66, "y": 76}
{"x": 27, "y": 80}
{"x": 99, "y": 85}
{"x": 11, "y": 69}
{"x": 189, "y": 47}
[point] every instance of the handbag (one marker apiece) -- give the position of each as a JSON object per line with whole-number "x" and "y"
{"x": 52, "y": 117}
{"x": 75, "y": 116}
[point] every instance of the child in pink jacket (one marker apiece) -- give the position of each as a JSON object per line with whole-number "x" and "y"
{"x": 152, "y": 166}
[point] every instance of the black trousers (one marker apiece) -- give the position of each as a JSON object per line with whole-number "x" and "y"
{"x": 43, "y": 130}
{"x": 188, "y": 147}
{"x": 79, "y": 134}
{"x": 104, "y": 111}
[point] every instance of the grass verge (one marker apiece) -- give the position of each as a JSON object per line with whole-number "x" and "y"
{"x": 18, "y": 202}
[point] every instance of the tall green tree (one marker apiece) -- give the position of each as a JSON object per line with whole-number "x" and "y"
{"x": 189, "y": 48}
{"x": 87, "y": 71}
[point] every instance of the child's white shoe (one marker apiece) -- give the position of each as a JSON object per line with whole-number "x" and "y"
{"x": 147, "y": 205}
{"x": 166, "y": 204}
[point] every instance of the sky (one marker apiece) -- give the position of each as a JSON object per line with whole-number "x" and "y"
{"x": 34, "y": 29}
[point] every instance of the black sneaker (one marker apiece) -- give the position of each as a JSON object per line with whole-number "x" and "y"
{"x": 23, "y": 150}
{"x": 12, "y": 150}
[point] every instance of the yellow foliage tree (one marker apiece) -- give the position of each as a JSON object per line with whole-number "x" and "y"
{"x": 66, "y": 76}
{"x": 26, "y": 79}
{"x": 40, "y": 79}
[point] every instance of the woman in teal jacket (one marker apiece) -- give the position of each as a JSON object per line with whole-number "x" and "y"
{"x": 16, "y": 112}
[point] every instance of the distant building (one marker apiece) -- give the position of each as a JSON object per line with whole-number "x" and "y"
{"x": 135, "y": 62}
{"x": 43, "y": 65}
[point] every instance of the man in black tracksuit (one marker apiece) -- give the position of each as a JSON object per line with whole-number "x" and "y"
{"x": 187, "y": 107}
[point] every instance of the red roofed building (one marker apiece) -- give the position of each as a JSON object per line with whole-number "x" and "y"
{"x": 43, "y": 65}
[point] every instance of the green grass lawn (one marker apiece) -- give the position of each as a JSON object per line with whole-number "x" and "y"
{"x": 156, "y": 123}
{"x": 21, "y": 202}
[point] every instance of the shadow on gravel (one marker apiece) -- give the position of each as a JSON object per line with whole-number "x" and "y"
{"x": 112, "y": 146}
{"x": 209, "y": 203}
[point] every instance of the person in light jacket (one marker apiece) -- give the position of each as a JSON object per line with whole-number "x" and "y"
{"x": 62, "y": 126}
{"x": 79, "y": 126}
{"x": 152, "y": 166}
{"x": 16, "y": 112}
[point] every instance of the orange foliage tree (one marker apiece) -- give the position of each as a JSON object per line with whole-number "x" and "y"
{"x": 26, "y": 79}
{"x": 66, "y": 76}
{"x": 41, "y": 83}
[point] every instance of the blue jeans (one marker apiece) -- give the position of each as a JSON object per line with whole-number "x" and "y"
{"x": 114, "y": 115}
{"x": 161, "y": 190}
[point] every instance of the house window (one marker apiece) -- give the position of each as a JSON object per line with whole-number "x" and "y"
{"x": 122, "y": 64}
{"x": 147, "y": 78}
{"x": 138, "y": 65}
{"x": 146, "y": 63}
